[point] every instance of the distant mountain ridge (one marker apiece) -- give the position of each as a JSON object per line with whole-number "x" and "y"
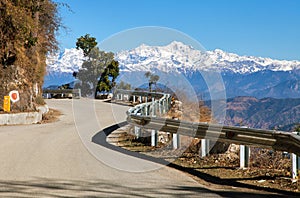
{"x": 175, "y": 57}
{"x": 266, "y": 113}
{"x": 183, "y": 58}
{"x": 242, "y": 75}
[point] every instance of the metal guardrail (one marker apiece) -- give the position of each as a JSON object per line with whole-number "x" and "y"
{"x": 144, "y": 116}
{"x": 62, "y": 93}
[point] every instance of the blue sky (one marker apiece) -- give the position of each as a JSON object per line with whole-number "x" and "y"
{"x": 266, "y": 28}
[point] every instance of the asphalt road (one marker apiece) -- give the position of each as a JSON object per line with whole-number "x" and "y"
{"x": 61, "y": 160}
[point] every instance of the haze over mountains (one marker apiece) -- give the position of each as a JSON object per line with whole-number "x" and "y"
{"x": 242, "y": 75}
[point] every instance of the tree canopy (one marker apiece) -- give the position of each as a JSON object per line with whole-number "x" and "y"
{"x": 123, "y": 85}
{"x": 98, "y": 73}
{"x": 108, "y": 77}
{"x": 27, "y": 33}
{"x": 153, "y": 79}
{"x": 86, "y": 43}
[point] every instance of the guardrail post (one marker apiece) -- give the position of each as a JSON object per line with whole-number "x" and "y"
{"x": 176, "y": 141}
{"x": 295, "y": 166}
{"x": 153, "y": 113}
{"x": 154, "y": 138}
{"x": 79, "y": 93}
{"x": 295, "y": 163}
{"x": 137, "y": 131}
{"x": 160, "y": 107}
{"x": 146, "y": 110}
{"x": 204, "y": 147}
{"x": 244, "y": 156}
{"x": 163, "y": 107}
{"x": 133, "y": 98}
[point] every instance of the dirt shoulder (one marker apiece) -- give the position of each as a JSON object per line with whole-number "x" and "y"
{"x": 51, "y": 116}
{"x": 269, "y": 172}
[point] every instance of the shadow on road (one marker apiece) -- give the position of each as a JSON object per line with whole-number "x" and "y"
{"x": 100, "y": 139}
{"x": 42, "y": 187}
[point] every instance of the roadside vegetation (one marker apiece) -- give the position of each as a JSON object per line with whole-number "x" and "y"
{"x": 27, "y": 33}
{"x": 99, "y": 70}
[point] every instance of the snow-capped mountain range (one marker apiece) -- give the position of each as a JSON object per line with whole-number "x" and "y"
{"x": 65, "y": 62}
{"x": 242, "y": 75}
{"x": 175, "y": 57}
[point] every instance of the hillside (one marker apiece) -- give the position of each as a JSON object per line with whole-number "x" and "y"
{"x": 267, "y": 113}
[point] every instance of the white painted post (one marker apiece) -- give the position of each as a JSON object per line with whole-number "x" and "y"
{"x": 79, "y": 93}
{"x": 244, "y": 156}
{"x": 146, "y": 110}
{"x": 167, "y": 104}
{"x": 137, "y": 131}
{"x": 294, "y": 166}
{"x": 204, "y": 147}
{"x": 176, "y": 141}
{"x": 160, "y": 107}
{"x": 154, "y": 138}
{"x": 133, "y": 99}
{"x": 295, "y": 163}
{"x": 153, "y": 107}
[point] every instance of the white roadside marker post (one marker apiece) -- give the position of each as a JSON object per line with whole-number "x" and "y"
{"x": 295, "y": 162}
{"x": 204, "y": 147}
{"x": 154, "y": 137}
{"x": 244, "y": 156}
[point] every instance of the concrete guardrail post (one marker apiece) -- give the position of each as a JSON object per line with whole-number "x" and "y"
{"x": 244, "y": 156}
{"x": 295, "y": 162}
{"x": 163, "y": 107}
{"x": 204, "y": 147}
{"x": 134, "y": 99}
{"x": 154, "y": 138}
{"x": 160, "y": 108}
{"x": 137, "y": 131}
{"x": 176, "y": 141}
{"x": 154, "y": 135}
{"x": 146, "y": 110}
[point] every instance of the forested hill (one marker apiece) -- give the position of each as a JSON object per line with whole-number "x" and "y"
{"x": 267, "y": 113}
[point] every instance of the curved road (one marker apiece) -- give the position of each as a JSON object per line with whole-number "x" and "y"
{"x": 51, "y": 160}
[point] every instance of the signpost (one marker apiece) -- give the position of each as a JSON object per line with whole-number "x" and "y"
{"x": 6, "y": 104}
{"x": 14, "y": 96}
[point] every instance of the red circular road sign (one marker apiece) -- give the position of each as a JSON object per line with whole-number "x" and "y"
{"x": 14, "y": 96}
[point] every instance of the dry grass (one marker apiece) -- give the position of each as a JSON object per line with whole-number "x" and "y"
{"x": 51, "y": 116}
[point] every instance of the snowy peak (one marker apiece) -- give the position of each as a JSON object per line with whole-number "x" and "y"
{"x": 176, "y": 57}
{"x": 183, "y": 58}
{"x": 66, "y": 62}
